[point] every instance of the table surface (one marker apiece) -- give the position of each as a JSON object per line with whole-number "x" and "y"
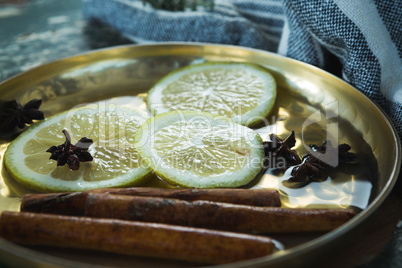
{"x": 34, "y": 32}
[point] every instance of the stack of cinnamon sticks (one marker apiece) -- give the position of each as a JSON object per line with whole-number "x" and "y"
{"x": 200, "y": 225}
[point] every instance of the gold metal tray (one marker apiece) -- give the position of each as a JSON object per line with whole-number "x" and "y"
{"x": 312, "y": 102}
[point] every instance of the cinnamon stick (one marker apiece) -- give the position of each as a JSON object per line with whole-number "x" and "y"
{"x": 132, "y": 238}
{"x": 73, "y": 203}
{"x": 214, "y": 215}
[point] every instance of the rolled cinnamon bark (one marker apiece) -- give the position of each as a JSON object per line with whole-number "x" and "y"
{"x": 73, "y": 203}
{"x": 214, "y": 215}
{"x": 251, "y": 197}
{"x": 55, "y": 203}
{"x": 132, "y": 238}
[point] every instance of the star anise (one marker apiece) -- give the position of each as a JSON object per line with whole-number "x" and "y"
{"x": 277, "y": 148}
{"x": 309, "y": 170}
{"x": 71, "y": 154}
{"x": 313, "y": 164}
{"x": 16, "y": 115}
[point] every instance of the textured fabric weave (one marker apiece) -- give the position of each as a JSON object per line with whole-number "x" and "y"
{"x": 364, "y": 35}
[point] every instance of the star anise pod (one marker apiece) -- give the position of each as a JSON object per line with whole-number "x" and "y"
{"x": 314, "y": 163}
{"x": 16, "y": 115}
{"x": 71, "y": 154}
{"x": 326, "y": 153}
{"x": 309, "y": 170}
{"x": 281, "y": 148}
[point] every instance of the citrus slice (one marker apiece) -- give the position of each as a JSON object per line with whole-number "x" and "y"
{"x": 115, "y": 163}
{"x": 244, "y": 92}
{"x": 200, "y": 150}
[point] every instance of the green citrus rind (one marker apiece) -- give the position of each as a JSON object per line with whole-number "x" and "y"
{"x": 28, "y": 162}
{"x": 248, "y": 104}
{"x": 207, "y": 158}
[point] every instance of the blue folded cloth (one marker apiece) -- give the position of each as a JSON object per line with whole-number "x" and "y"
{"x": 244, "y": 24}
{"x": 365, "y": 36}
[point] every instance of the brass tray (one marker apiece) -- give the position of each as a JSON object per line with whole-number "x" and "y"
{"x": 312, "y": 102}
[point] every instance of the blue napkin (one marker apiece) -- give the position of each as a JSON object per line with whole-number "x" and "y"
{"x": 363, "y": 36}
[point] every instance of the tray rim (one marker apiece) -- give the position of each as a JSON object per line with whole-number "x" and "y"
{"x": 43, "y": 258}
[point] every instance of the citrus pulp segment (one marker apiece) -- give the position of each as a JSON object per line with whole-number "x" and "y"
{"x": 115, "y": 163}
{"x": 200, "y": 150}
{"x": 244, "y": 92}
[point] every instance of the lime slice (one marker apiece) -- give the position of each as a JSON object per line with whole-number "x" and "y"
{"x": 200, "y": 150}
{"x": 115, "y": 162}
{"x": 243, "y": 92}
